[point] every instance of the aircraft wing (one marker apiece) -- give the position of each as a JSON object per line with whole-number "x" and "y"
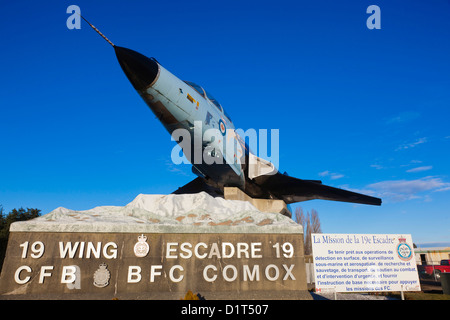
{"x": 289, "y": 189}
{"x": 292, "y": 190}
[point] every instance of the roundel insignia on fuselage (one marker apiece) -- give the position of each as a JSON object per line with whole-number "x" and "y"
{"x": 222, "y": 127}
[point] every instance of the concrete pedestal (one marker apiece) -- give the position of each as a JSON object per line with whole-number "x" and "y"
{"x": 263, "y": 205}
{"x": 243, "y": 257}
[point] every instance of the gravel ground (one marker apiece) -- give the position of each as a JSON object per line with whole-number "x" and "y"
{"x": 349, "y": 296}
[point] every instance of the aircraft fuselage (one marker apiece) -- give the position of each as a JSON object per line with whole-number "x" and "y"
{"x": 184, "y": 105}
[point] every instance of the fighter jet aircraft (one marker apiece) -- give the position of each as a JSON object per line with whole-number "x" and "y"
{"x": 187, "y": 106}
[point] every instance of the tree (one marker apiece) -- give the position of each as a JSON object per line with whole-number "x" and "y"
{"x": 307, "y": 235}
{"x": 300, "y": 216}
{"x": 5, "y": 222}
{"x": 310, "y": 224}
{"x": 315, "y": 222}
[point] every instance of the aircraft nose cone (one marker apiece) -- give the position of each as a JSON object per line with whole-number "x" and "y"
{"x": 139, "y": 69}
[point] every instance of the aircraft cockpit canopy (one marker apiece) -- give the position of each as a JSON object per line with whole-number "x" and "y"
{"x": 206, "y": 94}
{"x": 197, "y": 88}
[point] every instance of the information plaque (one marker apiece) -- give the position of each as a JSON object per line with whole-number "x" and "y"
{"x": 364, "y": 262}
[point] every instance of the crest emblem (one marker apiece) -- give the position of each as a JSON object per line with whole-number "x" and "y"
{"x": 404, "y": 251}
{"x": 141, "y": 248}
{"x": 101, "y": 276}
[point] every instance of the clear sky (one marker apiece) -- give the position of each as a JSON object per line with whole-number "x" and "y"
{"x": 366, "y": 110}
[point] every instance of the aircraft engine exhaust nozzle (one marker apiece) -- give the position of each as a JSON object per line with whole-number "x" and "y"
{"x": 139, "y": 69}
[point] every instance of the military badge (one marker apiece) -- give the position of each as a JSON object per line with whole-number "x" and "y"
{"x": 404, "y": 251}
{"x": 141, "y": 248}
{"x": 101, "y": 276}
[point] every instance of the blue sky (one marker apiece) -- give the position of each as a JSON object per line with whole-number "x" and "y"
{"x": 366, "y": 110}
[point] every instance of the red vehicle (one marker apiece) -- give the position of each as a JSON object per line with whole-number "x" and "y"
{"x": 434, "y": 271}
